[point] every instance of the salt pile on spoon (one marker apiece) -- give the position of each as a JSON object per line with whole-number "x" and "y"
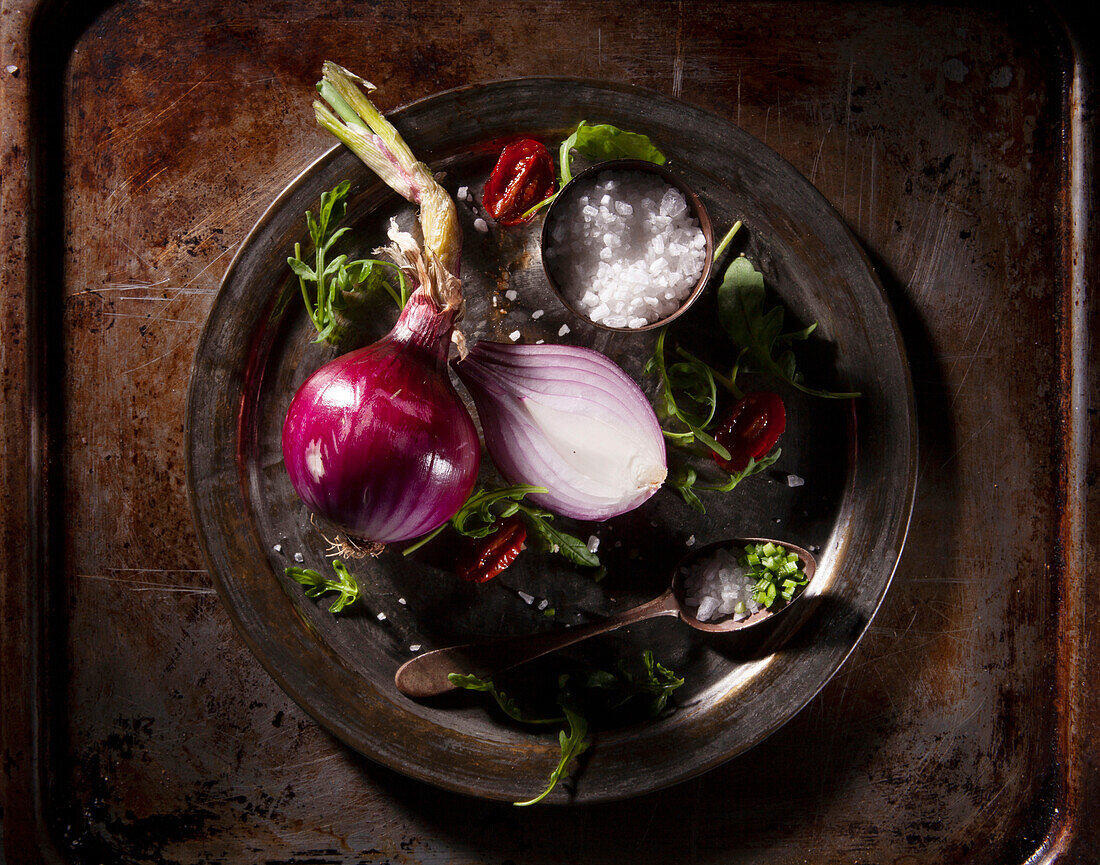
{"x": 626, "y": 249}
{"x": 718, "y": 587}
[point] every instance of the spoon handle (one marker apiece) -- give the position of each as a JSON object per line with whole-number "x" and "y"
{"x": 426, "y": 675}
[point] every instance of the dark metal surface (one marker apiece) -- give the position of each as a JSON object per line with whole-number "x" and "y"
{"x": 139, "y": 145}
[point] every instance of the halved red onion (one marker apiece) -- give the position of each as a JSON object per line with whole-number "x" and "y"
{"x": 570, "y": 420}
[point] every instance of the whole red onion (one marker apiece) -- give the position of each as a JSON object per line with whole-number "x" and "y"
{"x": 378, "y": 441}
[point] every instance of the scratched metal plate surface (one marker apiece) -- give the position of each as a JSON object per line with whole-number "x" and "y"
{"x": 857, "y": 461}
{"x": 141, "y": 141}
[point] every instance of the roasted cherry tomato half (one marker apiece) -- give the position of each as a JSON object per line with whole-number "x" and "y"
{"x": 751, "y": 429}
{"x": 522, "y": 177}
{"x": 486, "y": 557}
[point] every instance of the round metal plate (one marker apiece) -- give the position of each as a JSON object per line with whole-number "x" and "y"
{"x": 857, "y": 460}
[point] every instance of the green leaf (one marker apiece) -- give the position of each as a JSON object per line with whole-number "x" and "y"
{"x": 573, "y": 744}
{"x": 690, "y": 381}
{"x": 569, "y": 546}
{"x": 479, "y": 515}
{"x": 759, "y": 331}
{"x": 326, "y": 281}
{"x": 316, "y": 584}
{"x": 603, "y": 141}
{"x": 506, "y": 703}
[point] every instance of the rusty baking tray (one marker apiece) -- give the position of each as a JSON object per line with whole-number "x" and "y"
{"x": 142, "y": 140}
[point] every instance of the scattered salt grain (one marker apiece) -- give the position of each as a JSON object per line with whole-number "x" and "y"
{"x": 593, "y": 543}
{"x": 381, "y": 617}
{"x": 537, "y": 313}
{"x": 511, "y": 294}
{"x": 563, "y": 330}
{"x": 402, "y": 601}
{"x": 481, "y": 225}
{"x": 278, "y": 548}
{"x": 539, "y": 341}
{"x": 12, "y": 70}
{"x": 795, "y": 481}
{"x": 298, "y": 557}
{"x": 543, "y": 604}
{"x": 526, "y": 598}
{"x": 514, "y": 336}
{"x": 463, "y": 193}
{"x": 627, "y": 249}
{"x": 690, "y": 542}
{"x": 415, "y": 647}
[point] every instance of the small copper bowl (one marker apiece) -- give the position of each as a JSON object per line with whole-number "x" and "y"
{"x": 695, "y": 205}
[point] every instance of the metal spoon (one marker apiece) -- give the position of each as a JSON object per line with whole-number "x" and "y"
{"x": 426, "y": 675}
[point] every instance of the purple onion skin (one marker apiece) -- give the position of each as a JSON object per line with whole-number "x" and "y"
{"x": 377, "y": 441}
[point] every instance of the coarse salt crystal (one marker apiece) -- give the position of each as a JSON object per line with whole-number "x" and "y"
{"x": 463, "y": 193}
{"x": 537, "y": 313}
{"x": 402, "y": 601}
{"x": 526, "y": 598}
{"x": 415, "y": 647}
{"x": 514, "y": 336}
{"x": 511, "y": 294}
{"x": 795, "y": 481}
{"x": 298, "y": 557}
{"x": 381, "y": 617}
{"x": 641, "y": 245}
{"x": 593, "y": 543}
{"x": 278, "y": 548}
{"x": 481, "y": 225}
{"x": 563, "y": 330}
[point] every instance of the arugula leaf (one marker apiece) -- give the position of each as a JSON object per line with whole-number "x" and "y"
{"x": 573, "y": 744}
{"x": 690, "y": 380}
{"x": 686, "y": 480}
{"x": 506, "y": 703}
{"x": 569, "y": 546}
{"x": 326, "y": 283}
{"x": 479, "y": 509}
{"x": 758, "y": 330}
{"x": 316, "y": 585}
{"x": 655, "y": 683}
{"x": 479, "y": 515}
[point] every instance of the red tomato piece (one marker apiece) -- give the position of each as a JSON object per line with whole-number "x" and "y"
{"x": 486, "y": 557}
{"x": 522, "y": 177}
{"x": 751, "y": 429}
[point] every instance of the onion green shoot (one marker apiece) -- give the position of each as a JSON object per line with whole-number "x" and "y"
{"x": 778, "y": 573}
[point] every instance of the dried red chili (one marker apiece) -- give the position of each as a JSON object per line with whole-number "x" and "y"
{"x": 751, "y": 429}
{"x": 486, "y": 557}
{"x": 522, "y": 177}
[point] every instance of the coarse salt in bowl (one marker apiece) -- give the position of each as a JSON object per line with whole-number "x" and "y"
{"x": 627, "y": 245}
